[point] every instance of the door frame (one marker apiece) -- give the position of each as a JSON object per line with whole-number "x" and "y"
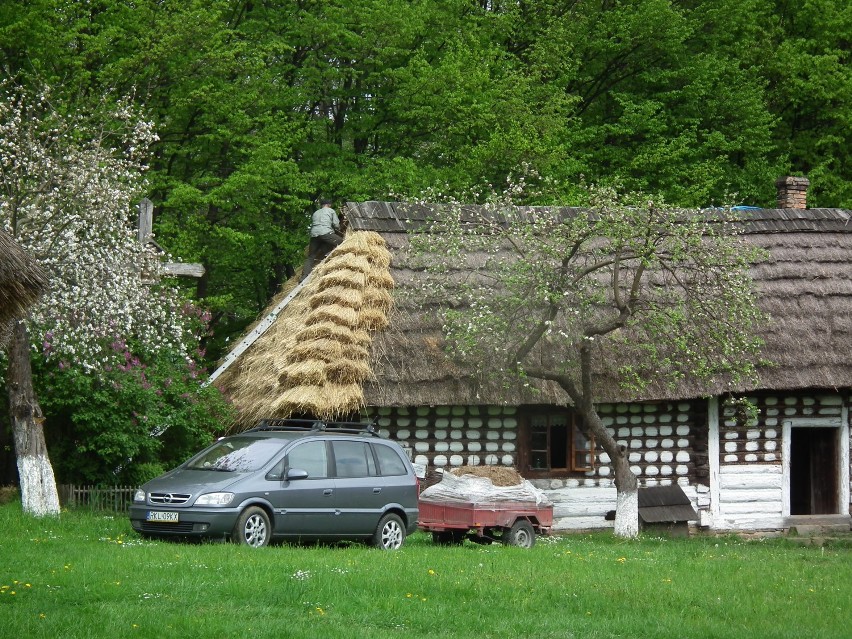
{"x": 842, "y": 424}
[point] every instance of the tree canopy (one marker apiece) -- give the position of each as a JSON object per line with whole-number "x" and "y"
{"x": 263, "y": 107}
{"x": 629, "y": 288}
{"x": 108, "y": 324}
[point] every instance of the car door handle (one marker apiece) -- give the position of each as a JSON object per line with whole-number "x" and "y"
{"x": 327, "y": 491}
{"x": 377, "y": 490}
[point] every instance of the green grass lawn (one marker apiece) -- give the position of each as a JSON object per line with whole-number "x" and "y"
{"x": 89, "y": 575}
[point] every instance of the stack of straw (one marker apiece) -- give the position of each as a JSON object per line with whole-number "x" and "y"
{"x": 323, "y": 370}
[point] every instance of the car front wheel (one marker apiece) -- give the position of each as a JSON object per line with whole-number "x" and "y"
{"x": 253, "y": 528}
{"x": 390, "y": 533}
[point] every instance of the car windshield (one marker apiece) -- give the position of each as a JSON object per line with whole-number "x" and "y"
{"x": 237, "y": 454}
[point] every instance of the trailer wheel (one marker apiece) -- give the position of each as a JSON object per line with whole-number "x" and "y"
{"x": 522, "y": 534}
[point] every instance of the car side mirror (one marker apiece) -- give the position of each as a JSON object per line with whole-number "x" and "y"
{"x": 297, "y": 473}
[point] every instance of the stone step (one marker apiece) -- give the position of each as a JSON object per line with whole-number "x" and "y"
{"x": 810, "y": 530}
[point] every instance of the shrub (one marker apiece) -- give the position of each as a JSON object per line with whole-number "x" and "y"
{"x": 129, "y": 423}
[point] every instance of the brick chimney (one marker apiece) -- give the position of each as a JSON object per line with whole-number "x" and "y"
{"x": 792, "y": 192}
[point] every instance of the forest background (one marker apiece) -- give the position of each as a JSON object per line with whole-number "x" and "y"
{"x": 263, "y": 107}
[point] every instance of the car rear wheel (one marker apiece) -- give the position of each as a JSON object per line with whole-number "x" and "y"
{"x": 253, "y": 528}
{"x": 390, "y": 533}
{"x": 521, "y": 534}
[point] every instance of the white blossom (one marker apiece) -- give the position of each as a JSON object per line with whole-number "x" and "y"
{"x": 67, "y": 197}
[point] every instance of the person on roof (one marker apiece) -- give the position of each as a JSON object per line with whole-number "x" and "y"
{"x": 326, "y": 234}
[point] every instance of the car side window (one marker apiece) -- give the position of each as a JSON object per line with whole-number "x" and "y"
{"x": 390, "y": 463}
{"x": 310, "y": 456}
{"x": 353, "y": 459}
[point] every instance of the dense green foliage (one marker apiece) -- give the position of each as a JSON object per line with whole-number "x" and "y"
{"x": 126, "y": 424}
{"x": 85, "y": 575}
{"x": 263, "y": 106}
{"x": 130, "y": 424}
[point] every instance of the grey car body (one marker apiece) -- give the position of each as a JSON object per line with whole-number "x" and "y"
{"x": 286, "y": 480}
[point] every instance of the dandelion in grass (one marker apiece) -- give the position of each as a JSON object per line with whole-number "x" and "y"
{"x": 431, "y": 572}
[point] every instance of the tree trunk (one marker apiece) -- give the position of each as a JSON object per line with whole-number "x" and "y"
{"x": 626, "y": 484}
{"x": 626, "y": 499}
{"x": 38, "y": 485}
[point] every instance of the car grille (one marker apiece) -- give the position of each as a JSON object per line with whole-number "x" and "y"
{"x": 169, "y": 499}
{"x": 161, "y": 527}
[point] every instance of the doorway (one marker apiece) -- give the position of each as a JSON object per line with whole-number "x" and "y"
{"x": 814, "y": 457}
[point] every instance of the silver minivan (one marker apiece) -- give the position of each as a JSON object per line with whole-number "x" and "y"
{"x": 286, "y": 479}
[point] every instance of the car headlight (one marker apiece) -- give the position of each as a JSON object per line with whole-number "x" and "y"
{"x": 139, "y": 496}
{"x": 214, "y": 499}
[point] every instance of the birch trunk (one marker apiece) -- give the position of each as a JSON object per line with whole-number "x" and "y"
{"x": 38, "y": 485}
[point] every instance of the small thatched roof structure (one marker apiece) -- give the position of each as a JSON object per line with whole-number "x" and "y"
{"x": 22, "y": 281}
{"x": 804, "y": 286}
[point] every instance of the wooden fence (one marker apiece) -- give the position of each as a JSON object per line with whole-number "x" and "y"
{"x": 103, "y": 498}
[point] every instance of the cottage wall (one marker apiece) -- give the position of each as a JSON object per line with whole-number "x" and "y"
{"x": 754, "y": 473}
{"x": 734, "y": 474}
{"x": 453, "y": 436}
{"x": 667, "y": 443}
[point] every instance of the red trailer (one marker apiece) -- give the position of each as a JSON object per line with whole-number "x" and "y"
{"x": 510, "y": 522}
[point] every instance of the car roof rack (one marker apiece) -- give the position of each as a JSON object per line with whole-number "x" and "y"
{"x": 315, "y": 425}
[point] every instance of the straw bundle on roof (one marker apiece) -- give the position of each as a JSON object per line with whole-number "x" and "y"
{"x": 310, "y": 372}
{"x": 341, "y": 295}
{"x": 376, "y": 253}
{"x": 344, "y": 260}
{"x": 348, "y": 371}
{"x": 378, "y": 298}
{"x": 380, "y": 279}
{"x": 325, "y": 349}
{"x": 334, "y": 313}
{"x": 330, "y": 330}
{"x": 351, "y": 279}
{"x": 327, "y": 401}
{"x": 372, "y": 318}
{"x": 362, "y": 338}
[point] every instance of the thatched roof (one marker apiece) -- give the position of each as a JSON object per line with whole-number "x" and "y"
{"x": 22, "y": 281}
{"x": 805, "y": 287}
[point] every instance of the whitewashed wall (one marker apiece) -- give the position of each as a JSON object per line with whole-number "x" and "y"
{"x": 752, "y": 471}
{"x": 453, "y": 436}
{"x": 733, "y": 475}
{"x": 660, "y": 438}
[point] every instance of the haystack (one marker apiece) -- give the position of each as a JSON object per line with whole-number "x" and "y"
{"x": 499, "y": 475}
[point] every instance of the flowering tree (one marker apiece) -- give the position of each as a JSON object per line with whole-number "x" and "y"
{"x": 631, "y": 289}
{"x": 66, "y": 186}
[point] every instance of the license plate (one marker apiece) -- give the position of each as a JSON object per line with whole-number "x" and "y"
{"x": 157, "y": 515}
